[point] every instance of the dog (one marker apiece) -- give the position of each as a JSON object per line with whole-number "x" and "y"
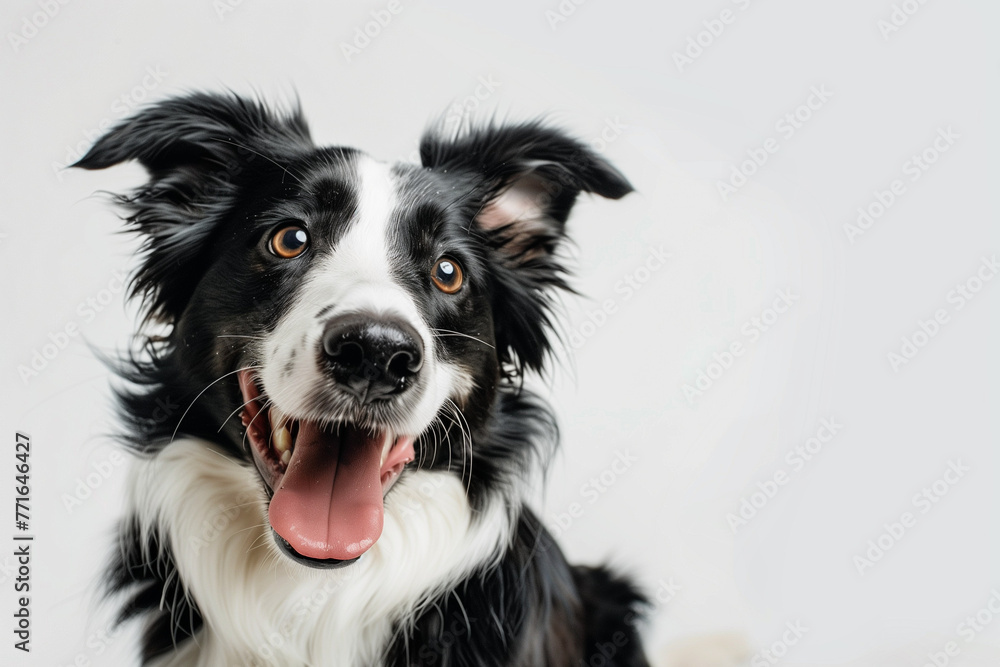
{"x": 333, "y": 443}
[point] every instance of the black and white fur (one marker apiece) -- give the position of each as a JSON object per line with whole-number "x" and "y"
{"x": 463, "y": 573}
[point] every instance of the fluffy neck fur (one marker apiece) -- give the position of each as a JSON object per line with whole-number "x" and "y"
{"x": 259, "y": 608}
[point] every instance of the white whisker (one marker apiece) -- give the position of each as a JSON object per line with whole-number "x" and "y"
{"x": 191, "y": 405}
{"x": 441, "y": 333}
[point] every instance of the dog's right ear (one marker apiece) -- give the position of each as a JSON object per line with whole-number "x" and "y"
{"x": 196, "y": 149}
{"x": 200, "y": 130}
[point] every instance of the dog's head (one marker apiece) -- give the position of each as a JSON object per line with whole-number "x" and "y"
{"x": 324, "y": 308}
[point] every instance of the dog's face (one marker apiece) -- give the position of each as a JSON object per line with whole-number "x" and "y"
{"x": 375, "y": 318}
{"x": 334, "y": 316}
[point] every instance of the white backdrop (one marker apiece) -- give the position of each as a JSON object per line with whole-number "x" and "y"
{"x": 754, "y": 131}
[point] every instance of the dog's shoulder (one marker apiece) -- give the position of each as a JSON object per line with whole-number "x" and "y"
{"x": 530, "y": 608}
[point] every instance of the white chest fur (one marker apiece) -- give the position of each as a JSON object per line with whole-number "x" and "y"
{"x": 261, "y": 608}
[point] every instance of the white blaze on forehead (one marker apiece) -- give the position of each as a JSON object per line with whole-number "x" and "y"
{"x": 362, "y": 254}
{"x": 356, "y": 272}
{"x": 362, "y": 261}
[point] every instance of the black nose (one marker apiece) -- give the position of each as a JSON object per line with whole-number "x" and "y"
{"x": 372, "y": 357}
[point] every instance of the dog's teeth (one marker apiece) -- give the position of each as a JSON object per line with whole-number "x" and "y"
{"x": 282, "y": 440}
{"x": 386, "y": 448}
{"x": 281, "y": 434}
{"x": 286, "y": 456}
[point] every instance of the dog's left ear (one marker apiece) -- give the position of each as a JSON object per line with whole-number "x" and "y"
{"x": 524, "y": 180}
{"x": 527, "y": 178}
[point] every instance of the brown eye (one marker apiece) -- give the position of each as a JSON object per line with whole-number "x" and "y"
{"x": 447, "y": 275}
{"x": 289, "y": 242}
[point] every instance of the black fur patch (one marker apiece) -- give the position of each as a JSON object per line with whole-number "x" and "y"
{"x": 612, "y": 608}
{"x": 531, "y": 609}
{"x": 143, "y": 572}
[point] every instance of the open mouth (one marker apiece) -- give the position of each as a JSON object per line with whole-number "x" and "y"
{"x": 327, "y": 481}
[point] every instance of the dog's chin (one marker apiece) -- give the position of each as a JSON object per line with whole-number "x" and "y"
{"x": 327, "y": 481}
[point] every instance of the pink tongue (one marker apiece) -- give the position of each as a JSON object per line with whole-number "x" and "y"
{"x": 329, "y": 503}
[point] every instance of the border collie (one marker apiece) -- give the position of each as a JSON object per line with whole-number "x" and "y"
{"x": 345, "y": 481}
